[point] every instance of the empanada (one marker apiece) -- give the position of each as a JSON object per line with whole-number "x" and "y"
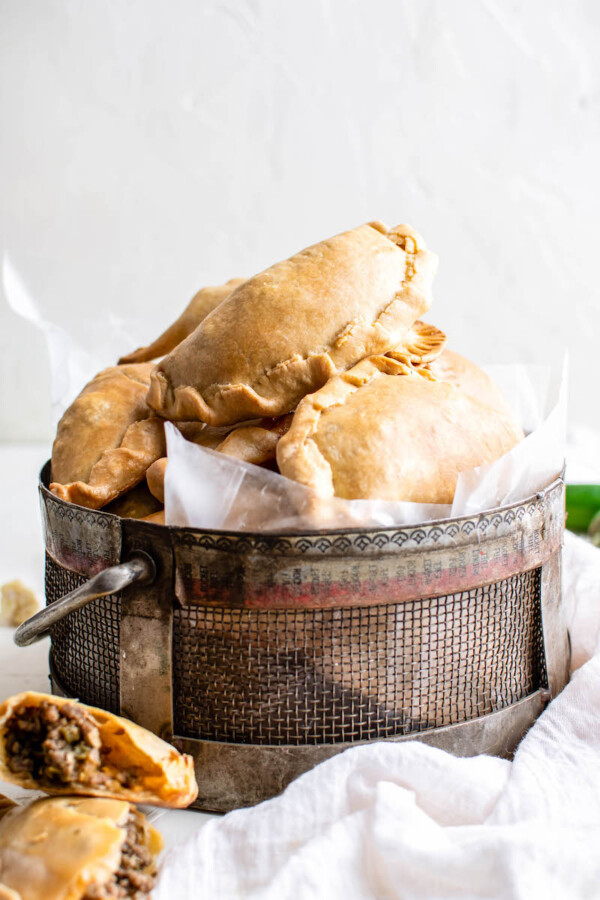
{"x": 468, "y": 377}
{"x": 120, "y": 469}
{"x": 138, "y": 503}
{"x": 70, "y": 848}
{"x": 155, "y": 477}
{"x": 283, "y": 333}
{"x": 383, "y": 430}
{"x": 63, "y": 747}
{"x": 107, "y": 438}
{"x": 254, "y": 443}
{"x": 97, "y": 420}
{"x": 195, "y": 312}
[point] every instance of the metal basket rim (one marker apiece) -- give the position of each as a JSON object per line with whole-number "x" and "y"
{"x": 44, "y": 479}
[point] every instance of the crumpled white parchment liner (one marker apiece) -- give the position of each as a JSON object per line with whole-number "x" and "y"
{"x": 206, "y": 489}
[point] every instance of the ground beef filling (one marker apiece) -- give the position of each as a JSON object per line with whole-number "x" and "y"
{"x": 135, "y": 877}
{"x": 59, "y": 747}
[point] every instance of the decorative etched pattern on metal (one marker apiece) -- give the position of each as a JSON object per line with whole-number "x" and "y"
{"x": 445, "y": 531}
{"x": 358, "y": 673}
{"x": 85, "y": 644}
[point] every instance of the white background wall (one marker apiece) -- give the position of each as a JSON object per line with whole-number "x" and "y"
{"x": 150, "y": 147}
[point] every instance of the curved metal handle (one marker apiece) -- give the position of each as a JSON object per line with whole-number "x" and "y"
{"x": 138, "y": 568}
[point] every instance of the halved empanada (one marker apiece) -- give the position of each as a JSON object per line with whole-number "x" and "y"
{"x": 195, "y": 312}
{"x": 107, "y": 438}
{"x": 72, "y": 848}
{"x": 384, "y": 430}
{"x": 283, "y": 333}
{"x": 60, "y": 746}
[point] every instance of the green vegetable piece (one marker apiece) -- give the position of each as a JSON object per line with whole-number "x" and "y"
{"x": 583, "y": 502}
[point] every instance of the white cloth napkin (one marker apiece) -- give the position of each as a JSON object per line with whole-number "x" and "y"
{"x": 409, "y": 821}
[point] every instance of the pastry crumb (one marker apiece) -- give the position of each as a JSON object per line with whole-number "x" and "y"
{"x": 18, "y": 603}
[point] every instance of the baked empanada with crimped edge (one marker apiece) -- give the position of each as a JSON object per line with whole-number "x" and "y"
{"x": 71, "y": 848}
{"x": 107, "y": 438}
{"x": 119, "y": 469}
{"x": 97, "y": 420}
{"x": 195, "y": 312}
{"x": 385, "y": 430}
{"x": 60, "y": 746}
{"x": 283, "y": 333}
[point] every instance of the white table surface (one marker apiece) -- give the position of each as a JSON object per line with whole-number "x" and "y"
{"x": 22, "y": 556}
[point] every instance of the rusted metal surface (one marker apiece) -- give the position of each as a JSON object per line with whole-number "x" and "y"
{"x": 367, "y": 567}
{"x": 139, "y": 568}
{"x": 234, "y": 775}
{"x": 145, "y": 686}
{"x": 85, "y": 541}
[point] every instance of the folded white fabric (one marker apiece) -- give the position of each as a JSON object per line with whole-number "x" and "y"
{"x": 409, "y": 821}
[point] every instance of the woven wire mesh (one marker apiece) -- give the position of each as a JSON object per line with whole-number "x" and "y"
{"x": 322, "y": 676}
{"x": 85, "y": 644}
{"x": 354, "y": 674}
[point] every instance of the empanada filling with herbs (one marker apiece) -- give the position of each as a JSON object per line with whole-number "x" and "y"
{"x": 59, "y": 747}
{"x": 136, "y": 874}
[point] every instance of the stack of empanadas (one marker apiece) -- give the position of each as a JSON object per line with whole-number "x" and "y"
{"x": 90, "y": 843}
{"x": 320, "y": 366}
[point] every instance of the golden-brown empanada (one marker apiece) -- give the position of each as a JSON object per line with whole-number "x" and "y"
{"x": 255, "y": 443}
{"x": 63, "y": 747}
{"x": 383, "y": 430}
{"x": 468, "y": 377}
{"x": 195, "y": 312}
{"x": 119, "y": 469}
{"x": 155, "y": 477}
{"x": 107, "y": 438}
{"x": 72, "y": 848}
{"x": 98, "y": 419}
{"x": 283, "y": 333}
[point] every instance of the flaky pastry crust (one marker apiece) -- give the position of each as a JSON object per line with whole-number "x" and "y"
{"x": 160, "y": 774}
{"x": 98, "y": 419}
{"x": 58, "y": 848}
{"x": 469, "y": 378}
{"x": 283, "y": 333}
{"x": 107, "y": 438}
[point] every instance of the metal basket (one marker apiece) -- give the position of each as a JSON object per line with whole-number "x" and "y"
{"x": 262, "y": 655}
